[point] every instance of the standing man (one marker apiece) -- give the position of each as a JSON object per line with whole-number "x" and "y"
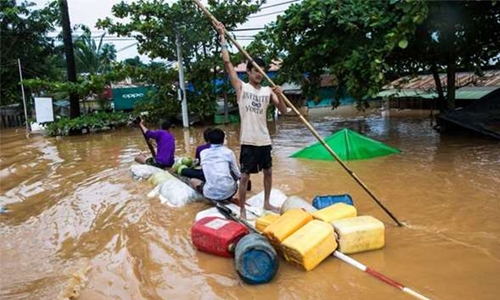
{"x": 253, "y": 100}
{"x": 165, "y": 142}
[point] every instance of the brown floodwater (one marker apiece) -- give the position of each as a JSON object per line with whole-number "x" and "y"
{"x": 75, "y": 211}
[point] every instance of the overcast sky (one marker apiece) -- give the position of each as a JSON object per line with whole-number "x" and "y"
{"x": 87, "y": 12}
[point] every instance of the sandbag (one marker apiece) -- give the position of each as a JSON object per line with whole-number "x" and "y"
{"x": 170, "y": 190}
{"x": 140, "y": 171}
{"x": 175, "y": 193}
{"x": 160, "y": 177}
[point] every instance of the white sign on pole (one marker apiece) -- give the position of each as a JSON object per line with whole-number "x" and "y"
{"x": 44, "y": 110}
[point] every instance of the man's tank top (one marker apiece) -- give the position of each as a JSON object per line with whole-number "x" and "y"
{"x": 253, "y": 112}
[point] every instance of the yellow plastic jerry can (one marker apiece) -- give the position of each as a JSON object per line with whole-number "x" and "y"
{"x": 286, "y": 225}
{"x": 310, "y": 245}
{"x": 334, "y": 212}
{"x": 359, "y": 234}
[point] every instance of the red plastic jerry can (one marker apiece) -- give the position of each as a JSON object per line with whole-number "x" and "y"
{"x": 217, "y": 236}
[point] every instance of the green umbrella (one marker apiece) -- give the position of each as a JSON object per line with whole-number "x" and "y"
{"x": 348, "y": 145}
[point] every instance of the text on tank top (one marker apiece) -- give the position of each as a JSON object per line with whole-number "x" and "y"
{"x": 253, "y": 105}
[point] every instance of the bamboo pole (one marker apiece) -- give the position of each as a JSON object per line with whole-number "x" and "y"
{"x": 296, "y": 111}
{"x": 150, "y": 146}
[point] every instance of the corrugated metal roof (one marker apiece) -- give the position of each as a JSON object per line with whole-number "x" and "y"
{"x": 465, "y": 93}
{"x": 407, "y": 93}
{"x": 426, "y": 82}
{"x": 290, "y": 87}
{"x": 475, "y": 93}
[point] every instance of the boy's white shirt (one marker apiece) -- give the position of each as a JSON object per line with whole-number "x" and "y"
{"x": 217, "y": 163}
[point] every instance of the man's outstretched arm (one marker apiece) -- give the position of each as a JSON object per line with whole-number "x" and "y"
{"x": 233, "y": 76}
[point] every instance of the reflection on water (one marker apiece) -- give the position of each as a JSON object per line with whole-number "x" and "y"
{"x": 72, "y": 205}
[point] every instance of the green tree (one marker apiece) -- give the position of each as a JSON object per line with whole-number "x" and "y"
{"x": 461, "y": 35}
{"x": 23, "y": 35}
{"x": 155, "y": 24}
{"x": 92, "y": 57}
{"x": 348, "y": 39}
{"x": 362, "y": 42}
{"x": 161, "y": 102}
{"x": 135, "y": 62}
{"x": 107, "y": 56}
{"x": 84, "y": 87}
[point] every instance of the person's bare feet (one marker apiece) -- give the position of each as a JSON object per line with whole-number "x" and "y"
{"x": 243, "y": 214}
{"x": 271, "y": 208}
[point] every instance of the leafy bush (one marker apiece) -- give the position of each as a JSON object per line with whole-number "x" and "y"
{"x": 159, "y": 105}
{"x": 97, "y": 121}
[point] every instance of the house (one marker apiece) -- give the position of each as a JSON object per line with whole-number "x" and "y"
{"x": 420, "y": 92}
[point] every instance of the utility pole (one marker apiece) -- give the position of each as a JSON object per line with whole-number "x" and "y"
{"x": 182, "y": 85}
{"x": 70, "y": 57}
{"x": 24, "y": 97}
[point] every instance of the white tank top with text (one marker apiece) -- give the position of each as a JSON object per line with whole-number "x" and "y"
{"x": 253, "y": 105}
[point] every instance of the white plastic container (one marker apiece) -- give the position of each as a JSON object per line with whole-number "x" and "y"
{"x": 297, "y": 202}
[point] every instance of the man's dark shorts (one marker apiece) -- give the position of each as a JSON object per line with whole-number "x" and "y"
{"x": 253, "y": 159}
{"x": 152, "y": 162}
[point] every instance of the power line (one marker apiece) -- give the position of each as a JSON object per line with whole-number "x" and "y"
{"x": 279, "y": 4}
{"x": 126, "y": 47}
{"x": 248, "y": 29}
{"x": 268, "y": 14}
{"x": 109, "y": 37}
{"x": 244, "y": 36}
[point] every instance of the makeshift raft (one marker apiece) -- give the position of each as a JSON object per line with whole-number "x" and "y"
{"x": 353, "y": 234}
{"x": 256, "y": 260}
{"x": 302, "y": 234}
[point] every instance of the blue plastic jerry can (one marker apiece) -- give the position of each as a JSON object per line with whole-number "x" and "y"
{"x": 320, "y": 202}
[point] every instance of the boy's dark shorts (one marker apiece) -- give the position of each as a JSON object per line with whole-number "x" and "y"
{"x": 253, "y": 159}
{"x": 152, "y": 162}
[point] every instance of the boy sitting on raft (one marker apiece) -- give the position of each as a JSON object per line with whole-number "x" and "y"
{"x": 165, "y": 142}
{"x": 195, "y": 172}
{"x": 220, "y": 169}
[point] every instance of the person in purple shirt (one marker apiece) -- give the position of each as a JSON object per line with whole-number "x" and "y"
{"x": 202, "y": 147}
{"x": 165, "y": 142}
{"x": 196, "y": 171}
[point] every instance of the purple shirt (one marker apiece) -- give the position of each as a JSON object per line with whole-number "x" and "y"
{"x": 166, "y": 146}
{"x": 199, "y": 149}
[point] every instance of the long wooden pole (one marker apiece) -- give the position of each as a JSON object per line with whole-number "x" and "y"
{"x": 306, "y": 123}
{"x": 151, "y": 148}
